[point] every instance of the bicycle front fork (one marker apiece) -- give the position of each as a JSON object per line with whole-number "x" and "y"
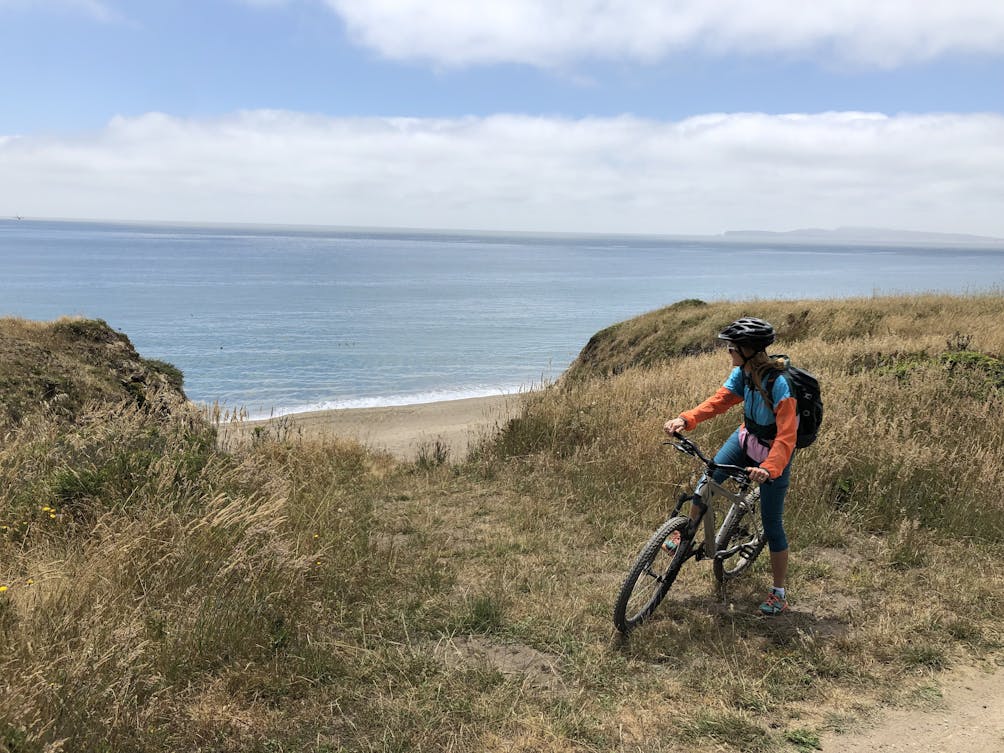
{"x": 694, "y": 525}
{"x": 684, "y": 499}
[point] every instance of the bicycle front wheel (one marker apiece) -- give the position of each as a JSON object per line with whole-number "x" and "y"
{"x": 743, "y": 538}
{"x": 650, "y": 578}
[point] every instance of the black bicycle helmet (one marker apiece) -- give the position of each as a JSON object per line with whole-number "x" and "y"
{"x": 756, "y": 333}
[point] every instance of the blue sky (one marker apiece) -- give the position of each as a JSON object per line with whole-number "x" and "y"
{"x": 673, "y": 116}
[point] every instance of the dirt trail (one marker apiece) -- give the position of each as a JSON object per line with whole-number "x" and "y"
{"x": 968, "y": 718}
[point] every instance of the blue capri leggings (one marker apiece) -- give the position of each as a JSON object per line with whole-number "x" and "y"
{"x": 771, "y": 495}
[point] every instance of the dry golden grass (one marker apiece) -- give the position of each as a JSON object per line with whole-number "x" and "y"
{"x": 291, "y": 595}
{"x": 689, "y": 327}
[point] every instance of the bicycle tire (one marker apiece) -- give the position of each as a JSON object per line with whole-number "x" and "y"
{"x": 639, "y": 597}
{"x": 746, "y": 529}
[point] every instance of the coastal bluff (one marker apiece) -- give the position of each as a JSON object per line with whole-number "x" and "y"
{"x": 56, "y": 369}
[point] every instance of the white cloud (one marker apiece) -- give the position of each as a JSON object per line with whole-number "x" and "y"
{"x": 558, "y": 32}
{"x": 704, "y": 174}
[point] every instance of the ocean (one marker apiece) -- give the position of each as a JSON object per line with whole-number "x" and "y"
{"x": 276, "y": 320}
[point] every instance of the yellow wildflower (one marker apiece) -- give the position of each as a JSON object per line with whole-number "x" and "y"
{"x": 3, "y": 589}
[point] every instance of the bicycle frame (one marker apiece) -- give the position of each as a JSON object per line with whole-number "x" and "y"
{"x": 708, "y": 490}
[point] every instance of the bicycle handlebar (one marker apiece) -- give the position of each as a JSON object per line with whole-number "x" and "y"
{"x": 684, "y": 445}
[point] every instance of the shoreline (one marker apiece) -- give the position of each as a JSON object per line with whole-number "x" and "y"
{"x": 403, "y": 400}
{"x": 401, "y": 430}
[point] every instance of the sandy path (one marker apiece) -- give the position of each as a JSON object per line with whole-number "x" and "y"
{"x": 969, "y": 718}
{"x": 400, "y": 430}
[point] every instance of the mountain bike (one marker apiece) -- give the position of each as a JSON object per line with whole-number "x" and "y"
{"x": 732, "y": 548}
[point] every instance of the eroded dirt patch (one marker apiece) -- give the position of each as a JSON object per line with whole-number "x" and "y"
{"x": 512, "y": 659}
{"x": 967, "y": 718}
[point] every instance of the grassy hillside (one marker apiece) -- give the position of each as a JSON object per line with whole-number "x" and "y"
{"x": 163, "y": 595}
{"x": 55, "y": 369}
{"x": 690, "y": 327}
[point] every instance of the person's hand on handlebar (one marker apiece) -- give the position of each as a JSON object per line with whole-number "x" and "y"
{"x": 674, "y": 425}
{"x": 758, "y": 475}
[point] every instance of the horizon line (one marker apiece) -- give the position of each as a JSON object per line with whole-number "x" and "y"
{"x": 842, "y": 233}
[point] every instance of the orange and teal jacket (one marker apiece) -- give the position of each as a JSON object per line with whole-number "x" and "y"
{"x": 738, "y": 389}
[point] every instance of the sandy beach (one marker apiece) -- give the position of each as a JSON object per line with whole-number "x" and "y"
{"x": 400, "y": 430}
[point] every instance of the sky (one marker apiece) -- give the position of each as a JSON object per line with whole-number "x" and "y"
{"x": 610, "y": 116}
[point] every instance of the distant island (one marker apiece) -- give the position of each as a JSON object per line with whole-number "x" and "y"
{"x": 863, "y": 234}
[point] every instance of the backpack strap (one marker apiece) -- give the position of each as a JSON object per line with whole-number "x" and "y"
{"x": 765, "y": 390}
{"x": 764, "y": 433}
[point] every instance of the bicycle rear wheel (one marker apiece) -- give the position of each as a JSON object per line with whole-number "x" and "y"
{"x": 744, "y": 537}
{"x": 650, "y": 578}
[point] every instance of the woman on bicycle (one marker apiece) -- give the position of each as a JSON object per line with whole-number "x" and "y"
{"x": 764, "y": 443}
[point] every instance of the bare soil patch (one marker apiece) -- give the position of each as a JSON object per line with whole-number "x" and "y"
{"x": 513, "y": 659}
{"x": 966, "y": 715}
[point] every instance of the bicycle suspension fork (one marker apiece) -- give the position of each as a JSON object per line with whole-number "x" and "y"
{"x": 697, "y": 501}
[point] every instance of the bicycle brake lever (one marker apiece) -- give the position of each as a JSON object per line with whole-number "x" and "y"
{"x": 679, "y": 447}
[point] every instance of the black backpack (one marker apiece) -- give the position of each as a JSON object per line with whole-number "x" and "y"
{"x": 805, "y": 388}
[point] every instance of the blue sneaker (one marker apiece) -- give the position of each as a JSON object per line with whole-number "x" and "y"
{"x": 774, "y": 605}
{"x": 672, "y": 543}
